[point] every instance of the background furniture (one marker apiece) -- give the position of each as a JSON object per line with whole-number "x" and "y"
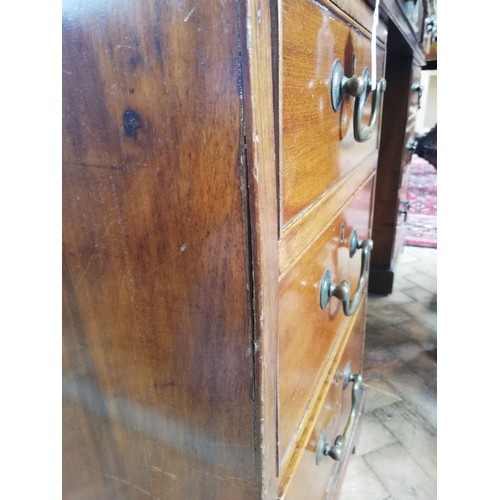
{"x": 411, "y": 26}
{"x": 217, "y": 214}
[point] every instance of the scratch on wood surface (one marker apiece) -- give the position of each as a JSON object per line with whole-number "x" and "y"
{"x": 181, "y": 249}
{"x": 93, "y": 165}
{"x": 119, "y": 479}
{"x": 169, "y": 474}
{"x": 223, "y": 478}
{"x": 186, "y": 19}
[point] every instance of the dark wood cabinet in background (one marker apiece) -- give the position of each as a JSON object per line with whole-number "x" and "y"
{"x": 407, "y": 43}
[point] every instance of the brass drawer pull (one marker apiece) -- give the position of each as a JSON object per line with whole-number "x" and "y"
{"x": 404, "y": 210}
{"x": 358, "y": 87}
{"x": 341, "y": 85}
{"x": 363, "y": 133}
{"x": 338, "y": 450}
{"x": 417, "y": 87}
{"x": 431, "y": 27}
{"x": 412, "y": 145}
{"x": 342, "y": 292}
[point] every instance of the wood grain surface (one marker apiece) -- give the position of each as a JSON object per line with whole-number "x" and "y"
{"x": 305, "y": 478}
{"x": 158, "y": 385}
{"x": 317, "y": 144}
{"x": 307, "y": 333}
{"x": 179, "y": 124}
{"x": 299, "y": 236}
{"x": 260, "y": 148}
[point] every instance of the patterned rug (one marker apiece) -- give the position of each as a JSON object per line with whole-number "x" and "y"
{"x": 422, "y": 195}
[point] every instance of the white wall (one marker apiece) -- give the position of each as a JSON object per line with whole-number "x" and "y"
{"x": 427, "y": 114}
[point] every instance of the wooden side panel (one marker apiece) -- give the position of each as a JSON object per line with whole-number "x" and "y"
{"x": 259, "y": 129}
{"x": 157, "y": 369}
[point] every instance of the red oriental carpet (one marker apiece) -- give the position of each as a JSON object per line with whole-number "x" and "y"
{"x": 422, "y": 195}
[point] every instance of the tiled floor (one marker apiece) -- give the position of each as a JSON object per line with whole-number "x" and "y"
{"x": 396, "y": 451}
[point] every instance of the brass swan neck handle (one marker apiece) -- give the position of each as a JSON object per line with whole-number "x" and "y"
{"x": 363, "y": 132}
{"x": 358, "y": 87}
{"x": 342, "y": 291}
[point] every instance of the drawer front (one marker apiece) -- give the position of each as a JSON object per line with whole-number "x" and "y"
{"x": 315, "y": 479}
{"x": 317, "y": 143}
{"x": 308, "y": 334}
